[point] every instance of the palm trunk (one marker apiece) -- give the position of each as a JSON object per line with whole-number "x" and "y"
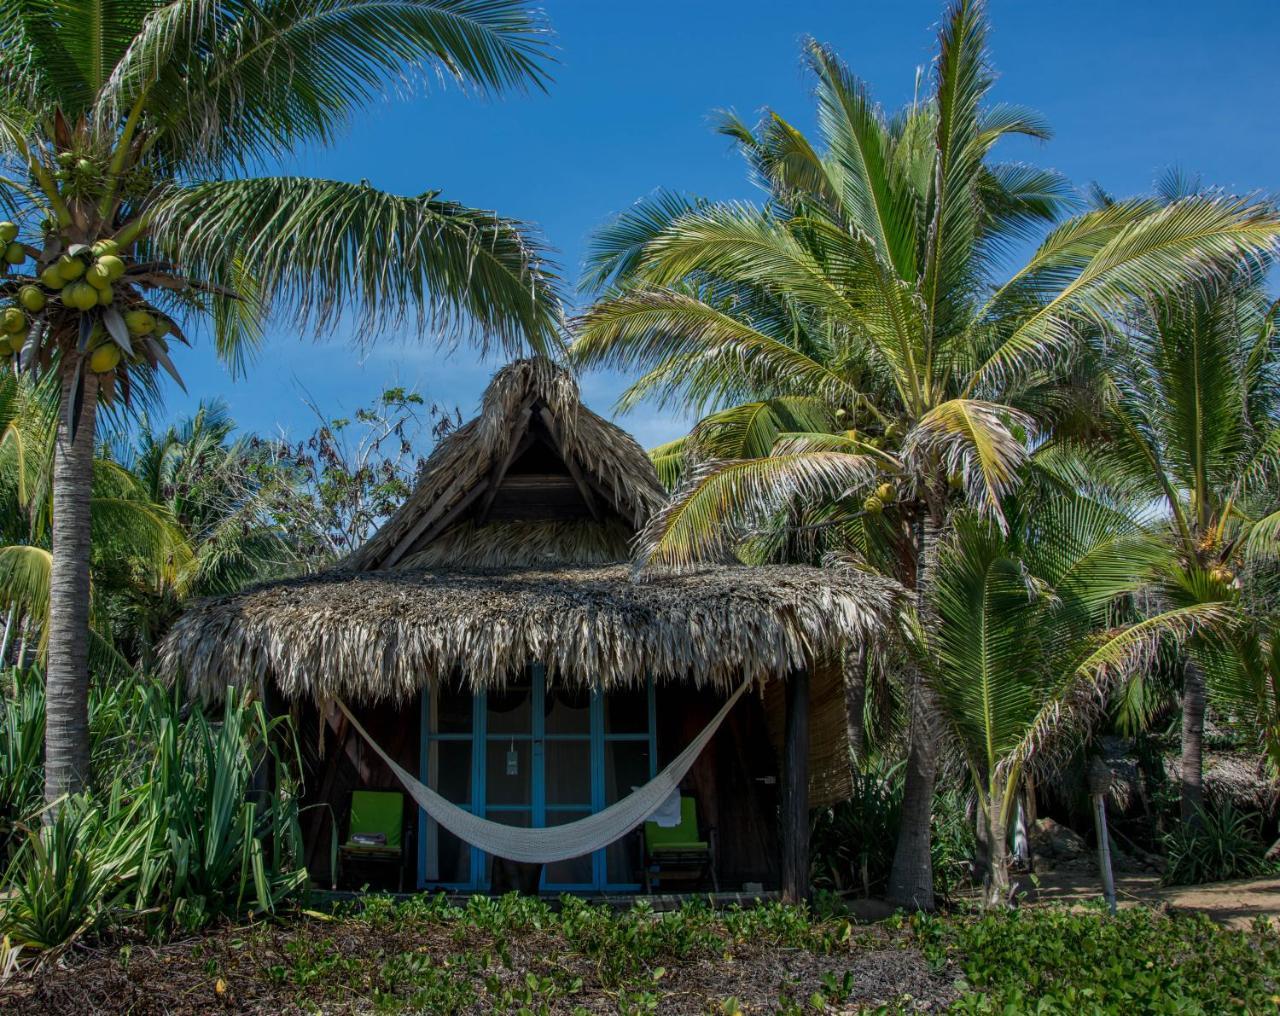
{"x": 997, "y": 879}
{"x": 1192, "y": 773}
{"x": 911, "y": 877}
{"x": 67, "y": 681}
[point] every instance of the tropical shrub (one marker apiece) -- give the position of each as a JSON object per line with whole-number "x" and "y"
{"x": 179, "y": 833}
{"x": 71, "y": 872}
{"x": 1223, "y": 844}
{"x": 21, "y": 747}
{"x": 852, "y": 842}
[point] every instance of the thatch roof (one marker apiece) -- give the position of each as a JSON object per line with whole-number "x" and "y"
{"x": 384, "y": 635}
{"x": 534, "y": 445}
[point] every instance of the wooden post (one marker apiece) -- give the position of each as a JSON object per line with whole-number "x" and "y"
{"x": 1099, "y": 785}
{"x": 795, "y": 791}
{"x": 1104, "y": 851}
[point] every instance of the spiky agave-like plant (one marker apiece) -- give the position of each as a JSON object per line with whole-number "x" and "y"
{"x": 128, "y": 133}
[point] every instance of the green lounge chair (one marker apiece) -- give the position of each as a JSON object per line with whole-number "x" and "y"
{"x": 375, "y": 833}
{"x": 678, "y": 852}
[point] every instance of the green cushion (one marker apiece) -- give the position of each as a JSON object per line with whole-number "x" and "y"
{"x": 696, "y": 845}
{"x": 377, "y": 811}
{"x": 678, "y": 837}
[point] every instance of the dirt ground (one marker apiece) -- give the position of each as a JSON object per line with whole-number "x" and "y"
{"x": 1234, "y": 904}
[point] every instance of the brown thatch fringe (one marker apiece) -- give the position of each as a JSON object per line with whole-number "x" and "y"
{"x": 384, "y": 635}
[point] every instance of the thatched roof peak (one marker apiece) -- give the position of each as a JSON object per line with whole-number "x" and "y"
{"x": 536, "y": 478}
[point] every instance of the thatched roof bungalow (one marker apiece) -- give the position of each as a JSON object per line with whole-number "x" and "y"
{"x": 495, "y": 639}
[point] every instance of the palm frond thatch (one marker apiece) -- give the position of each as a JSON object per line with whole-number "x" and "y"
{"x": 384, "y": 635}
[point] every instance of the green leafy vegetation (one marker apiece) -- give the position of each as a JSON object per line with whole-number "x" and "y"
{"x": 1084, "y": 962}
{"x": 1223, "y": 844}
{"x": 182, "y": 831}
{"x": 520, "y": 956}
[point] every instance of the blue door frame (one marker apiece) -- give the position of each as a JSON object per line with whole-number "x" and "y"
{"x": 479, "y": 739}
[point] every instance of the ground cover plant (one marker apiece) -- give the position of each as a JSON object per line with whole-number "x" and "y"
{"x": 521, "y": 956}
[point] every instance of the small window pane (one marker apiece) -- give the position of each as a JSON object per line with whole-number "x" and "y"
{"x": 509, "y": 780}
{"x": 522, "y": 819}
{"x": 626, "y": 711}
{"x": 452, "y": 770}
{"x": 455, "y": 858}
{"x": 452, "y": 713}
{"x": 576, "y": 870}
{"x": 568, "y": 710}
{"x": 622, "y": 860}
{"x": 626, "y": 765}
{"x": 511, "y": 709}
{"x": 568, "y": 772}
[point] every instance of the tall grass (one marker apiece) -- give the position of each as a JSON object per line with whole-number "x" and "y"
{"x": 191, "y": 818}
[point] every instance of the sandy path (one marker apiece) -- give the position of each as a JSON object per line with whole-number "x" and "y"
{"x": 1234, "y": 904}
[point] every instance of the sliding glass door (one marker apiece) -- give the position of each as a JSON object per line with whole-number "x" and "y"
{"x": 534, "y": 756}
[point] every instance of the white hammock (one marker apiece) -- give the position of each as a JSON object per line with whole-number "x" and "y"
{"x": 554, "y": 843}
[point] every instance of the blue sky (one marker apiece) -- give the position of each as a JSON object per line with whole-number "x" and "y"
{"x": 1131, "y": 88}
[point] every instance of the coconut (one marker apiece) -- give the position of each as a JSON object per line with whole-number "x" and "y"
{"x": 70, "y": 268}
{"x": 105, "y": 295}
{"x": 113, "y": 265}
{"x": 104, "y": 248}
{"x": 885, "y": 492}
{"x": 106, "y": 357}
{"x": 50, "y": 279}
{"x": 139, "y": 322}
{"x": 873, "y": 505}
{"x": 8, "y": 232}
{"x": 80, "y": 295}
{"x": 97, "y": 276}
{"x": 15, "y": 253}
{"x": 1221, "y": 573}
{"x": 12, "y": 344}
{"x": 12, "y": 320}
{"x": 32, "y": 298}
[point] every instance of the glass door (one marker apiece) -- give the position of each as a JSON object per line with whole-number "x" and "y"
{"x": 533, "y": 755}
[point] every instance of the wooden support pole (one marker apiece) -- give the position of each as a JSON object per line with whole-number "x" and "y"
{"x": 1099, "y": 785}
{"x": 1104, "y": 851}
{"x": 795, "y": 791}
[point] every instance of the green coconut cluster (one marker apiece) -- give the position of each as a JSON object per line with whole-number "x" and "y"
{"x": 885, "y": 494}
{"x": 81, "y": 280}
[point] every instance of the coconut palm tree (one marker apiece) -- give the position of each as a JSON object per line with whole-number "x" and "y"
{"x": 128, "y": 136}
{"x": 1192, "y": 398}
{"x": 1026, "y": 644}
{"x": 866, "y": 290}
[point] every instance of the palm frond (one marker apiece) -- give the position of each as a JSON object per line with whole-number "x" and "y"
{"x": 322, "y": 247}
{"x": 244, "y": 85}
{"x": 1106, "y": 259}
{"x": 616, "y": 250}
{"x": 707, "y": 514}
{"x": 983, "y": 442}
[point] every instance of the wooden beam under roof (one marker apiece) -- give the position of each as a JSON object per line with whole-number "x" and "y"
{"x": 549, "y": 422}
{"x": 516, "y": 449}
